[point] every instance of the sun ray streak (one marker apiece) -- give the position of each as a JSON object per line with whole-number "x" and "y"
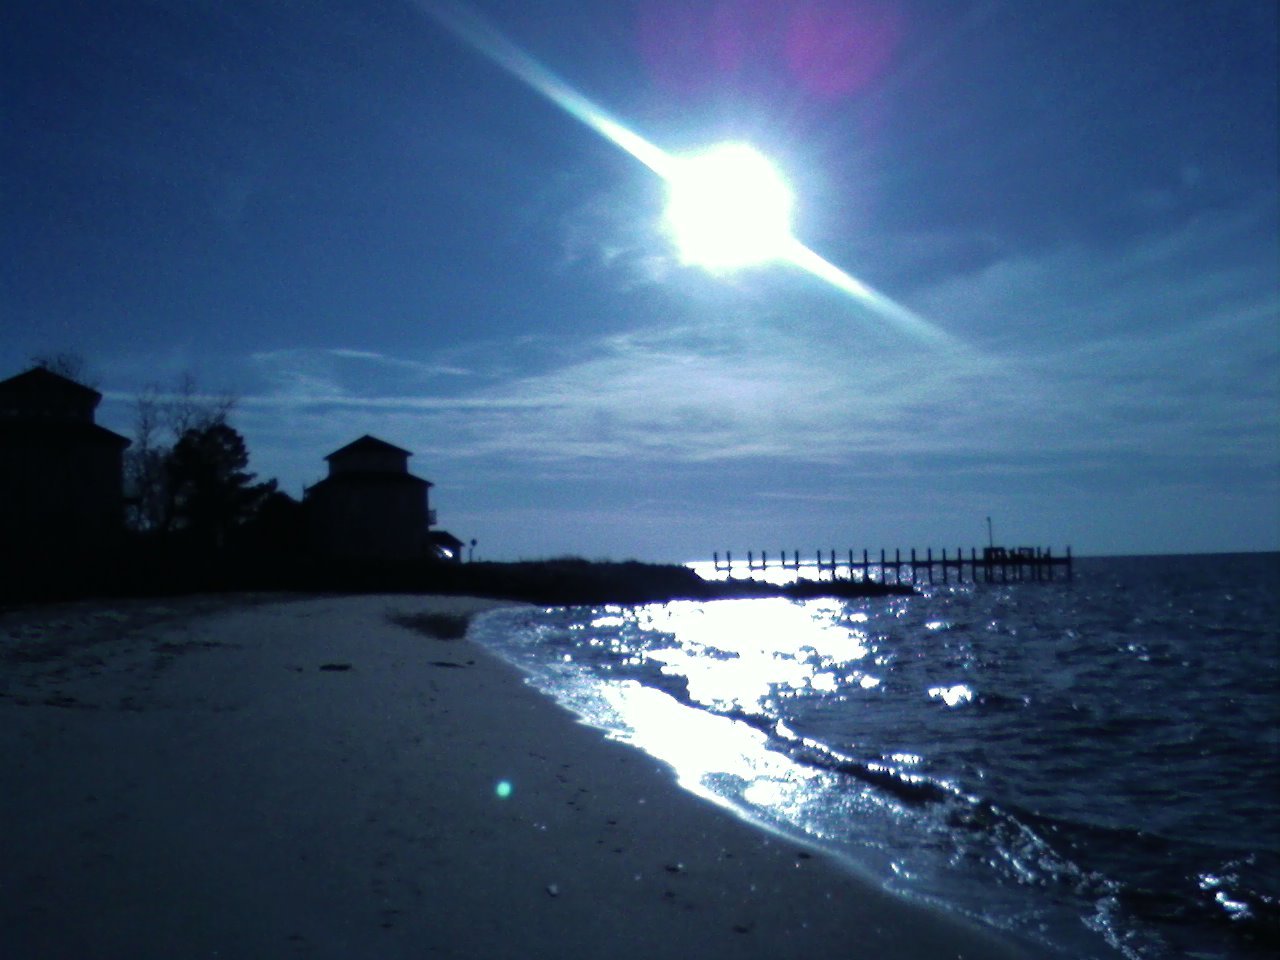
{"x": 486, "y": 40}
{"x": 907, "y": 320}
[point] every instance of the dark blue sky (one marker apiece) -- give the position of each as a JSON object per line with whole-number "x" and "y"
{"x": 357, "y": 223}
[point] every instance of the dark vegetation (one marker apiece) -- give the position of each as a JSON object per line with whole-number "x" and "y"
{"x": 151, "y": 568}
{"x": 199, "y": 522}
{"x": 573, "y": 581}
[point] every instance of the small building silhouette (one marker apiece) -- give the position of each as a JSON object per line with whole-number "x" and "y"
{"x": 369, "y": 507}
{"x": 445, "y": 545}
{"x": 61, "y": 474}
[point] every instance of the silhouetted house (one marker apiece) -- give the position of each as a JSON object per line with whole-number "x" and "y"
{"x": 445, "y": 545}
{"x": 370, "y": 506}
{"x": 61, "y": 475}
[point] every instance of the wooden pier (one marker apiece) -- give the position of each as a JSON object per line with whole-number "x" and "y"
{"x": 988, "y": 565}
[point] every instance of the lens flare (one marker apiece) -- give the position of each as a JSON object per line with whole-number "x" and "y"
{"x": 724, "y": 239}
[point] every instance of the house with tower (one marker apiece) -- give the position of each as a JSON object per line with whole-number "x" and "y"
{"x": 61, "y": 474}
{"x": 370, "y": 507}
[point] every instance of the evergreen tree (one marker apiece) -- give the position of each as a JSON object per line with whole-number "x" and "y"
{"x": 212, "y": 493}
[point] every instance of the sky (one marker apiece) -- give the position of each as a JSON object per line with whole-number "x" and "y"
{"x": 353, "y": 218}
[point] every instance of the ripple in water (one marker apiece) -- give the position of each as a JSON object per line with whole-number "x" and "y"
{"x": 1089, "y": 765}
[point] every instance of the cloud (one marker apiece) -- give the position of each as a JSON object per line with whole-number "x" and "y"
{"x": 327, "y": 365}
{"x": 1097, "y": 366}
{"x": 750, "y": 389}
{"x": 422, "y": 369}
{"x": 755, "y": 391}
{"x": 619, "y": 231}
{"x": 1213, "y": 259}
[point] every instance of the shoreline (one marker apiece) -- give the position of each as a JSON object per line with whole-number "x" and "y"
{"x": 165, "y": 571}
{"x": 306, "y": 778}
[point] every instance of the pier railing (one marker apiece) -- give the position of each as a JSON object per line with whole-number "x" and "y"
{"x": 990, "y": 564}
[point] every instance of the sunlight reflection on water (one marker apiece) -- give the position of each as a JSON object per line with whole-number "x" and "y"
{"x": 703, "y": 748}
{"x": 739, "y": 655}
{"x": 711, "y": 677}
{"x": 1001, "y": 748}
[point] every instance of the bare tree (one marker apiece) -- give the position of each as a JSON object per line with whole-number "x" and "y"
{"x": 161, "y": 419}
{"x": 186, "y": 408}
{"x": 65, "y": 363}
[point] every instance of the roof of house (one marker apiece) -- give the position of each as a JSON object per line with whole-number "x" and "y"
{"x": 41, "y": 379}
{"x": 369, "y": 478}
{"x": 444, "y": 538}
{"x": 367, "y": 443}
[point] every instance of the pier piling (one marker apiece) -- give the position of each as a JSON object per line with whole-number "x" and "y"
{"x": 991, "y": 565}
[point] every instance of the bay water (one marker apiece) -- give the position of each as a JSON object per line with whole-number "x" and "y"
{"x": 1092, "y": 765}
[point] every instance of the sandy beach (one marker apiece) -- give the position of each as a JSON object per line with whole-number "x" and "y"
{"x": 258, "y": 777}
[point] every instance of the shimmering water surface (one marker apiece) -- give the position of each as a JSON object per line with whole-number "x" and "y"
{"x": 1093, "y": 765}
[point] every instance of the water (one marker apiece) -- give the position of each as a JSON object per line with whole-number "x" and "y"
{"x": 1092, "y": 766}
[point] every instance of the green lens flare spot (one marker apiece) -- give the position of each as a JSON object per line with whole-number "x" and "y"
{"x": 503, "y": 789}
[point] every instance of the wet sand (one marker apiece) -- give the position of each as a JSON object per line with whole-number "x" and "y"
{"x": 204, "y": 778}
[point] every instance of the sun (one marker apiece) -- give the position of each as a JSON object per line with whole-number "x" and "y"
{"x": 728, "y": 207}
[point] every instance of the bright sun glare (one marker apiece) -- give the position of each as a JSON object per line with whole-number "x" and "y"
{"x": 728, "y": 207}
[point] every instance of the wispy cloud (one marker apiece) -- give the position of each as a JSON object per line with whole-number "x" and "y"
{"x": 1091, "y": 363}
{"x": 619, "y": 230}
{"x": 1212, "y": 260}
{"x": 328, "y": 366}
